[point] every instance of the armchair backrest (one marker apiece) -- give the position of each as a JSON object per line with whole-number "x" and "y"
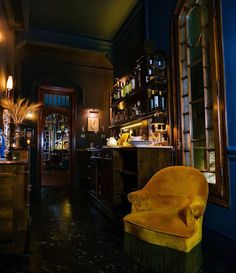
{"x": 178, "y": 180}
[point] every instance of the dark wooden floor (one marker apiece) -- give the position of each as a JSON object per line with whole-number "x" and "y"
{"x": 69, "y": 235}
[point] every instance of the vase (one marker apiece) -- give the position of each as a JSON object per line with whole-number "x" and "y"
{"x": 16, "y": 135}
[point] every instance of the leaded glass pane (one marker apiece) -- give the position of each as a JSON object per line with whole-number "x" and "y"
{"x": 182, "y": 35}
{"x": 199, "y": 157}
{"x": 198, "y": 121}
{"x": 195, "y": 53}
{"x": 194, "y": 25}
{"x": 209, "y": 120}
{"x": 186, "y": 122}
{"x": 211, "y": 178}
{"x": 63, "y": 100}
{"x": 197, "y": 100}
{"x": 197, "y": 89}
{"x": 207, "y": 73}
{"x": 184, "y": 69}
{"x": 211, "y": 139}
{"x": 187, "y": 159}
{"x": 186, "y": 142}
{"x": 185, "y": 87}
{"x": 209, "y": 101}
{"x": 185, "y": 104}
{"x": 183, "y": 52}
{"x": 50, "y": 99}
{"x": 67, "y": 101}
{"x": 212, "y": 161}
{"x": 54, "y": 100}
{"x": 59, "y": 100}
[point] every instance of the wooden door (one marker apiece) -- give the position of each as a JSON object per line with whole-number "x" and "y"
{"x": 55, "y": 136}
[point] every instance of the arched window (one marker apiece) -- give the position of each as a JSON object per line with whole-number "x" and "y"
{"x": 199, "y": 92}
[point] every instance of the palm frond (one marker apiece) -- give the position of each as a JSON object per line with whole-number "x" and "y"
{"x": 18, "y": 110}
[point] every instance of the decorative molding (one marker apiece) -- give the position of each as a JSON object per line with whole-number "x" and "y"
{"x": 55, "y": 79}
{"x": 36, "y": 35}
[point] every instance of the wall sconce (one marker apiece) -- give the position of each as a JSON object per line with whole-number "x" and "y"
{"x": 9, "y": 85}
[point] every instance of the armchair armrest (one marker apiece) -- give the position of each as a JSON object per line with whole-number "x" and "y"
{"x": 144, "y": 200}
{"x": 139, "y": 200}
{"x": 194, "y": 210}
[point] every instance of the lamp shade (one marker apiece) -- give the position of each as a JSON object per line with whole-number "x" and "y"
{"x": 159, "y": 119}
{"x": 9, "y": 82}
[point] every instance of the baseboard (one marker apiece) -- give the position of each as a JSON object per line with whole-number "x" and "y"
{"x": 220, "y": 246}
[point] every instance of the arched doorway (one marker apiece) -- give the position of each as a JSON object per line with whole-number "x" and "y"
{"x": 55, "y": 136}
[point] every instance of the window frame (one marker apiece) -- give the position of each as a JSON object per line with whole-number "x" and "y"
{"x": 219, "y": 192}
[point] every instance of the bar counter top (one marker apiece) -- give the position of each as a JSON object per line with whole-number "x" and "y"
{"x": 124, "y": 147}
{"x": 9, "y": 162}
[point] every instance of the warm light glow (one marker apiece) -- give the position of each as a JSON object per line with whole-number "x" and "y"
{"x": 133, "y": 125}
{"x": 28, "y": 141}
{"x": 93, "y": 113}
{"x": 9, "y": 82}
{"x": 29, "y": 115}
{"x": 121, "y": 105}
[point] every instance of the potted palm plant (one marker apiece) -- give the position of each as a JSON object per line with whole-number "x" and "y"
{"x": 18, "y": 111}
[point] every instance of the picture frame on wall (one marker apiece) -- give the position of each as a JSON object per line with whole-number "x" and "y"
{"x": 93, "y": 124}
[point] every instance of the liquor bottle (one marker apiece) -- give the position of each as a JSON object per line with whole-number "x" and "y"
{"x": 122, "y": 89}
{"x": 133, "y": 83}
{"x": 137, "y": 108}
{"x": 126, "y": 88}
{"x": 156, "y": 100}
{"x": 162, "y": 101}
{"x": 149, "y": 75}
{"x": 151, "y": 100}
{"x": 118, "y": 90}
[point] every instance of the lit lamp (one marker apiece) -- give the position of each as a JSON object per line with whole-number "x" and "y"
{"x": 159, "y": 120}
{"x": 9, "y": 85}
{"x": 159, "y": 123}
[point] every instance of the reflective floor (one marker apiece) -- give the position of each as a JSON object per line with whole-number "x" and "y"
{"x": 68, "y": 234}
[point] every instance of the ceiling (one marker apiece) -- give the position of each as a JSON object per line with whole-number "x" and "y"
{"x": 100, "y": 19}
{"x": 84, "y": 25}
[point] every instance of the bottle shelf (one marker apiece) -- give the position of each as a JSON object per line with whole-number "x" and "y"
{"x": 136, "y": 119}
{"x": 148, "y": 95}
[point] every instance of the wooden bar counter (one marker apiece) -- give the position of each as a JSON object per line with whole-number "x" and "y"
{"x": 14, "y": 206}
{"x": 116, "y": 171}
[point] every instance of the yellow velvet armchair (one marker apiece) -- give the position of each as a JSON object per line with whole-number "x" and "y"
{"x": 169, "y": 210}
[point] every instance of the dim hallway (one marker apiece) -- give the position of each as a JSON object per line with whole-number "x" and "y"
{"x": 68, "y": 234}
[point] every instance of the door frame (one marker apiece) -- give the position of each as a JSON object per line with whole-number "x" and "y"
{"x": 44, "y": 111}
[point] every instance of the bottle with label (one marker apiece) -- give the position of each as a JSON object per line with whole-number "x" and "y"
{"x": 156, "y": 100}
{"x": 149, "y": 75}
{"x": 162, "y": 101}
{"x": 133, "y": 83}
{"x": 138, "y": 108}
{"x": 122, "y": 89}
{"x": 151, "y": 100}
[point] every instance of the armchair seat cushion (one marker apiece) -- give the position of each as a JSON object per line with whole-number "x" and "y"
{"x": 167, "y": 222}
